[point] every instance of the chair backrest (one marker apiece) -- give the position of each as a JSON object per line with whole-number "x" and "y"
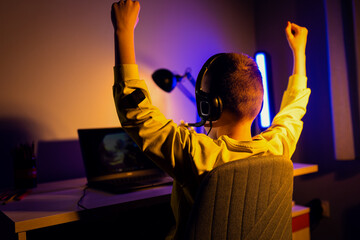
{"x": 244, "y": 199}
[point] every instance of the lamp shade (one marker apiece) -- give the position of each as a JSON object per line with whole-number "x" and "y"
{"x": 165, "y": 79}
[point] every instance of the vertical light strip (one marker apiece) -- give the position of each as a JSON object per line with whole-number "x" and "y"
{"x": 339, "y": 87}
{"x": 265, "y": 120}
{"x": 356, "y": 14}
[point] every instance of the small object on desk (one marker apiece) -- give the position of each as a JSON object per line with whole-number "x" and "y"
{"x": 22, "y": 194}
{"x": 25, "y": 173}
{"x": 5, "y": 195}
{"x": 13, "y": 195}
{"x": 10, "y": 198}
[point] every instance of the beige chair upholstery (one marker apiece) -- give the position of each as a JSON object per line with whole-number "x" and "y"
{"x": 245, "y": 199}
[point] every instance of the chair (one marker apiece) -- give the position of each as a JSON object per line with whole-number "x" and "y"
{"x": 245, "y": 199}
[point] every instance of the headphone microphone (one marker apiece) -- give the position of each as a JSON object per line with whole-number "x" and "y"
{"x": 209, "y": 106}
{"x": 198, "y": 124}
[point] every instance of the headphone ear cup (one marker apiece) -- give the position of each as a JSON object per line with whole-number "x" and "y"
{"x": 216, "y": 108}
{"x": 209, "y": 108}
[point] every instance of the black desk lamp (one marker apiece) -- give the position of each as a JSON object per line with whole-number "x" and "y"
{"x": 167, "y": 81}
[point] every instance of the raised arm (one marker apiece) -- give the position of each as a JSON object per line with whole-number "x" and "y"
{"x": 287, "y": 125}
{"x": 124, "y": 15}
{"x": 297, "y": 37}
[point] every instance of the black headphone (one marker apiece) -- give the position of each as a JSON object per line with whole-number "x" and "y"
{"x": 209, "y": 106}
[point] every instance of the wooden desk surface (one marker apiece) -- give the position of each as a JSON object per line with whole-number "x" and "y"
{"x": 55, "y": 203}
{"x": 302, "y": 169}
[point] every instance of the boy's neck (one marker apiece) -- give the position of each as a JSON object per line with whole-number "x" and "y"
{"x": 235, "y": 129}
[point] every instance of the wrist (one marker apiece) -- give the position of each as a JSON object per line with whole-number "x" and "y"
{"x": 124, "y": 34}
{"x": 299, "y": 53}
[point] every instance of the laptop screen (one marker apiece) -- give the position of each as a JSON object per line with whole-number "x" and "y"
{"x": 111, "y": 151}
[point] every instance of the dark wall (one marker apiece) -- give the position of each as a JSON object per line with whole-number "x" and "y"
{"x": 336, "y": 181}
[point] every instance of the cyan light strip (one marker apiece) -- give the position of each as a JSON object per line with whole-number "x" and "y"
{"x": 265, "y": 120}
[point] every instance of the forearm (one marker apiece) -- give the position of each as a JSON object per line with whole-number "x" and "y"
{"x": 299, "y": 67}
{"x": 124, "y": 48}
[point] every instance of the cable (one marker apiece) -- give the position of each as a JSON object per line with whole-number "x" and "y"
{"x": 81, "y": 198}
{"x": 209, "y": 129}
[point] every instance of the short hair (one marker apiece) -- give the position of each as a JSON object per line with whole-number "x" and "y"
{"x": 236, "y": 79}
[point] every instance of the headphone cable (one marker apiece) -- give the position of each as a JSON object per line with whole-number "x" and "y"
{"x": 209, "y": 129}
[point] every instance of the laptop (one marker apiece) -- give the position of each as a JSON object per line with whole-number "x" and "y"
{"x": 114, "y": 163}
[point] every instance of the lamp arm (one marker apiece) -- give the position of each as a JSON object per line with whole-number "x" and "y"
{"x": 190, "y": 77}
{"x": 187, "y": 93}
{"x": 178, "y": 78}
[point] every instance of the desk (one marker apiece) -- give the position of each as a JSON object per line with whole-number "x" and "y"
{"x": 302, "y": 169}
{"x": 55, "y": 203}
{"x": 300, "y": 214}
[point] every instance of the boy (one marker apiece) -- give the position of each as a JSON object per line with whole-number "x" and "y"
{"x": 184, "y": 154}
